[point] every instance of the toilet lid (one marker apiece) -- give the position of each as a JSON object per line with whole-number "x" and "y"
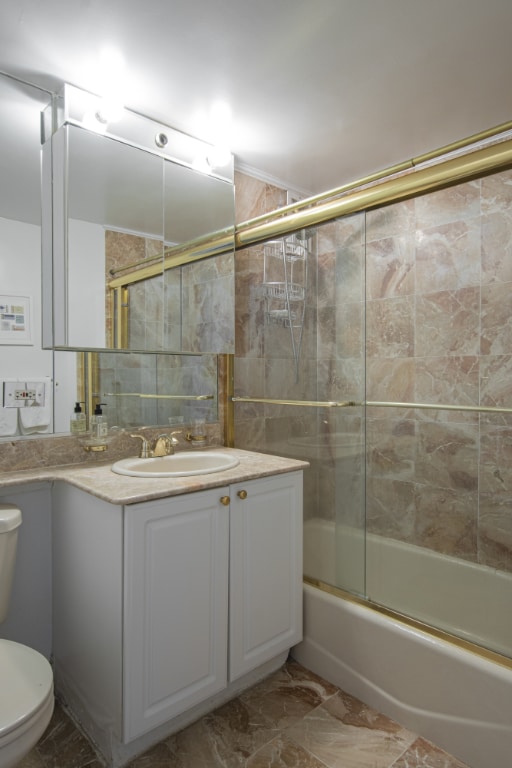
{"x": 27, "y": 681}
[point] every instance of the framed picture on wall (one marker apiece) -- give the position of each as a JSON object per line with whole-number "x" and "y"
{"x": 15, "y": 320}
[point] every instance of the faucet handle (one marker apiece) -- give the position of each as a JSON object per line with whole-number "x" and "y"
{"x": 145, "y": 452}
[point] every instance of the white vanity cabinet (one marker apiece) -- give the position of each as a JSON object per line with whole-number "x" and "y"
{"x": 175, "y": 605}
{"x": 265, "y": 596}
{"x": 162, "y": 604}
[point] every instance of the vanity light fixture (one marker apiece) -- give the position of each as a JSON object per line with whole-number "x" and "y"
{"x": 218, "y": 156}
{"x": 111, "y": 78}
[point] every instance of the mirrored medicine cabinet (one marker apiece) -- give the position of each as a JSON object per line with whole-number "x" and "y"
{"x": 129, "y": 264}
{"x": 138, "y": 244}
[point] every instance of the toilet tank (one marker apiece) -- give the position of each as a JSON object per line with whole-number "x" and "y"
{"x": 10, "y": 520}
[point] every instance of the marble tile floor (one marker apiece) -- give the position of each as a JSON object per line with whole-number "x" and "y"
{"x": 293, "y": 719}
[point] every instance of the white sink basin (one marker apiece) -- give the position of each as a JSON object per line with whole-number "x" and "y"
{"x": 177, "y": 465}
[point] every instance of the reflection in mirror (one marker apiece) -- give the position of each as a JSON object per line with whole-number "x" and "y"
{"x": 125, "y": 220}
{"x": 22, "y": 359}
{"x": 141, "y": 390}
{"x": 114, "y": 218}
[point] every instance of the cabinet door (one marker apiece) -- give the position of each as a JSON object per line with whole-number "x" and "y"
{"x": 176, "y": 587}
{"x": 266, "y": 570}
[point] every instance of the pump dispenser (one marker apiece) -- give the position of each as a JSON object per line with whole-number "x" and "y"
{"x": 99, "y": 425}
{"x": 78, "y": 422}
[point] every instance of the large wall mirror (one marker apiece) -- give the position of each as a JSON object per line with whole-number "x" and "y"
{"x": 129, "y": 218}
{"x": 140, "y": 389}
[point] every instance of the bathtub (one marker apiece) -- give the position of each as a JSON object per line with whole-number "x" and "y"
{"x": 458, "y": 699}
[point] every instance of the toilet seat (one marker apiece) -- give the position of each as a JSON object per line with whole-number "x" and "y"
{"x": 27, "y": 688}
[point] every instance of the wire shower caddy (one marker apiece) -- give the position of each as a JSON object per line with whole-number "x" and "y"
{"x": 285, "y": 265}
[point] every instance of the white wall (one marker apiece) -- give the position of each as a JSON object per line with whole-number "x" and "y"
{"x": 20, "y": 274}
{"x": 29, "y": 619}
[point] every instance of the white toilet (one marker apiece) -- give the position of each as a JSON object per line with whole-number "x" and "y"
{"x": 26, "y": 679}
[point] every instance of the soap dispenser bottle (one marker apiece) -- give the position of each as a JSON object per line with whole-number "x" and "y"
{"x": 78, "y": 422}
{"x": 99, "y": 425}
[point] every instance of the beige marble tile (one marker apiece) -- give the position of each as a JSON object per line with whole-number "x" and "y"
{"x": 326, "y": 729}
{"x": 226, "y": 737}
{"x": 448, "y": 256}
{"x": 391, "y": 448}
{"x": 63, "y": 745}
{"x": 392, "y": 220}
{"x": 496, "y": 193}
{"x": 495, "y": 530}
{"x": 456, "y": 203}
{"x": 423, "y": 754}
{"x": 157, "y": 757}
{"x": 344, "y": 733}
{"x": 281, "y": 752}
{"x": 448, "y": 323}
{"x": 32, "y": 760}
{"x": 390, "y": 380}
{"x": 390, "y": 268}
{"x": 495, "y": 466}
{"x": 326, "y": 286}
{"x": 447, "y": 456}
{"x": 391, "y": 508}
{"x": 496, "y": 248}
{"x": 349, "y": 275}
{"x": 496, "y": 387}
{"x": 446, "y": 521}
{"x": 390, "y": 327}
{"x": 449, "y": 380}
{"x": 288, "y": 695}
{"x": 496, "y": 319}
{"x": 350, "y": 335}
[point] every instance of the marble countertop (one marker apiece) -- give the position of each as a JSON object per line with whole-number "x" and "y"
{"x": 100, "y": 481}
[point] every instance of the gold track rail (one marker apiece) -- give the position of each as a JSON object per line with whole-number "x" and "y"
{"x": 157, "y": 397}
{"x": 434, "y": 170}
{"x": 372, "y": 404}
{"x": 308, "y": 403}
{"x": 391, "y": 190}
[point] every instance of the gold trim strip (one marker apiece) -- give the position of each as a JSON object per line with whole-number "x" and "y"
{"x": 91, "y": 383}
{"x": 158, "y": 397}
{"x": 356, "y": 196}
{"x": 451, "y": 171}
{"x": 441, "y": 634}
{"x": 437, "y": 407}
{"x": 406, "y": 165}
{"x": 229, "y": 410}
{"x": 373, "y": 403}
{"x": 214, "y": 244}
{"x": 310, "y": 403}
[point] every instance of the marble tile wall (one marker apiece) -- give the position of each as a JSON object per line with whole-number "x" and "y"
{"x": 264, "y": 360}
{"x": 439, "y": 320}
{"x": 408, "y": 303}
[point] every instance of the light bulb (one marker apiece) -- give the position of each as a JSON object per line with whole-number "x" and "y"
{"x": 218, "y": 156}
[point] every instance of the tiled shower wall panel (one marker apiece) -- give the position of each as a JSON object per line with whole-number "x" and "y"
{"x": 439, "y": 330}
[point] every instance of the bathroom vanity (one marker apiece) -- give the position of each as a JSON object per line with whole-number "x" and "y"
{"x": 171, "y": 597}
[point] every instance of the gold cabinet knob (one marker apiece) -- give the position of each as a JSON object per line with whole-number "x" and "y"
{"x": 225, "y": 500}
{"x": 242, "y": 495}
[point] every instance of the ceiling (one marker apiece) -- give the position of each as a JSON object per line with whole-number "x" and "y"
{"x": 321, "y": 93}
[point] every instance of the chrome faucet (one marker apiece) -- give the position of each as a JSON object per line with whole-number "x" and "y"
{"x": 163, "y": 445}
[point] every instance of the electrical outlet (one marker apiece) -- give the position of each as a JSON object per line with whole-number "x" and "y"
{"x": 24, "y": 394}
{"x": 18, "y": 394}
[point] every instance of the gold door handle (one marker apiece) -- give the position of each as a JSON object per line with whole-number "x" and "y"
{"x": 225, "y": 500}
{"x": 242, "y": 495}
